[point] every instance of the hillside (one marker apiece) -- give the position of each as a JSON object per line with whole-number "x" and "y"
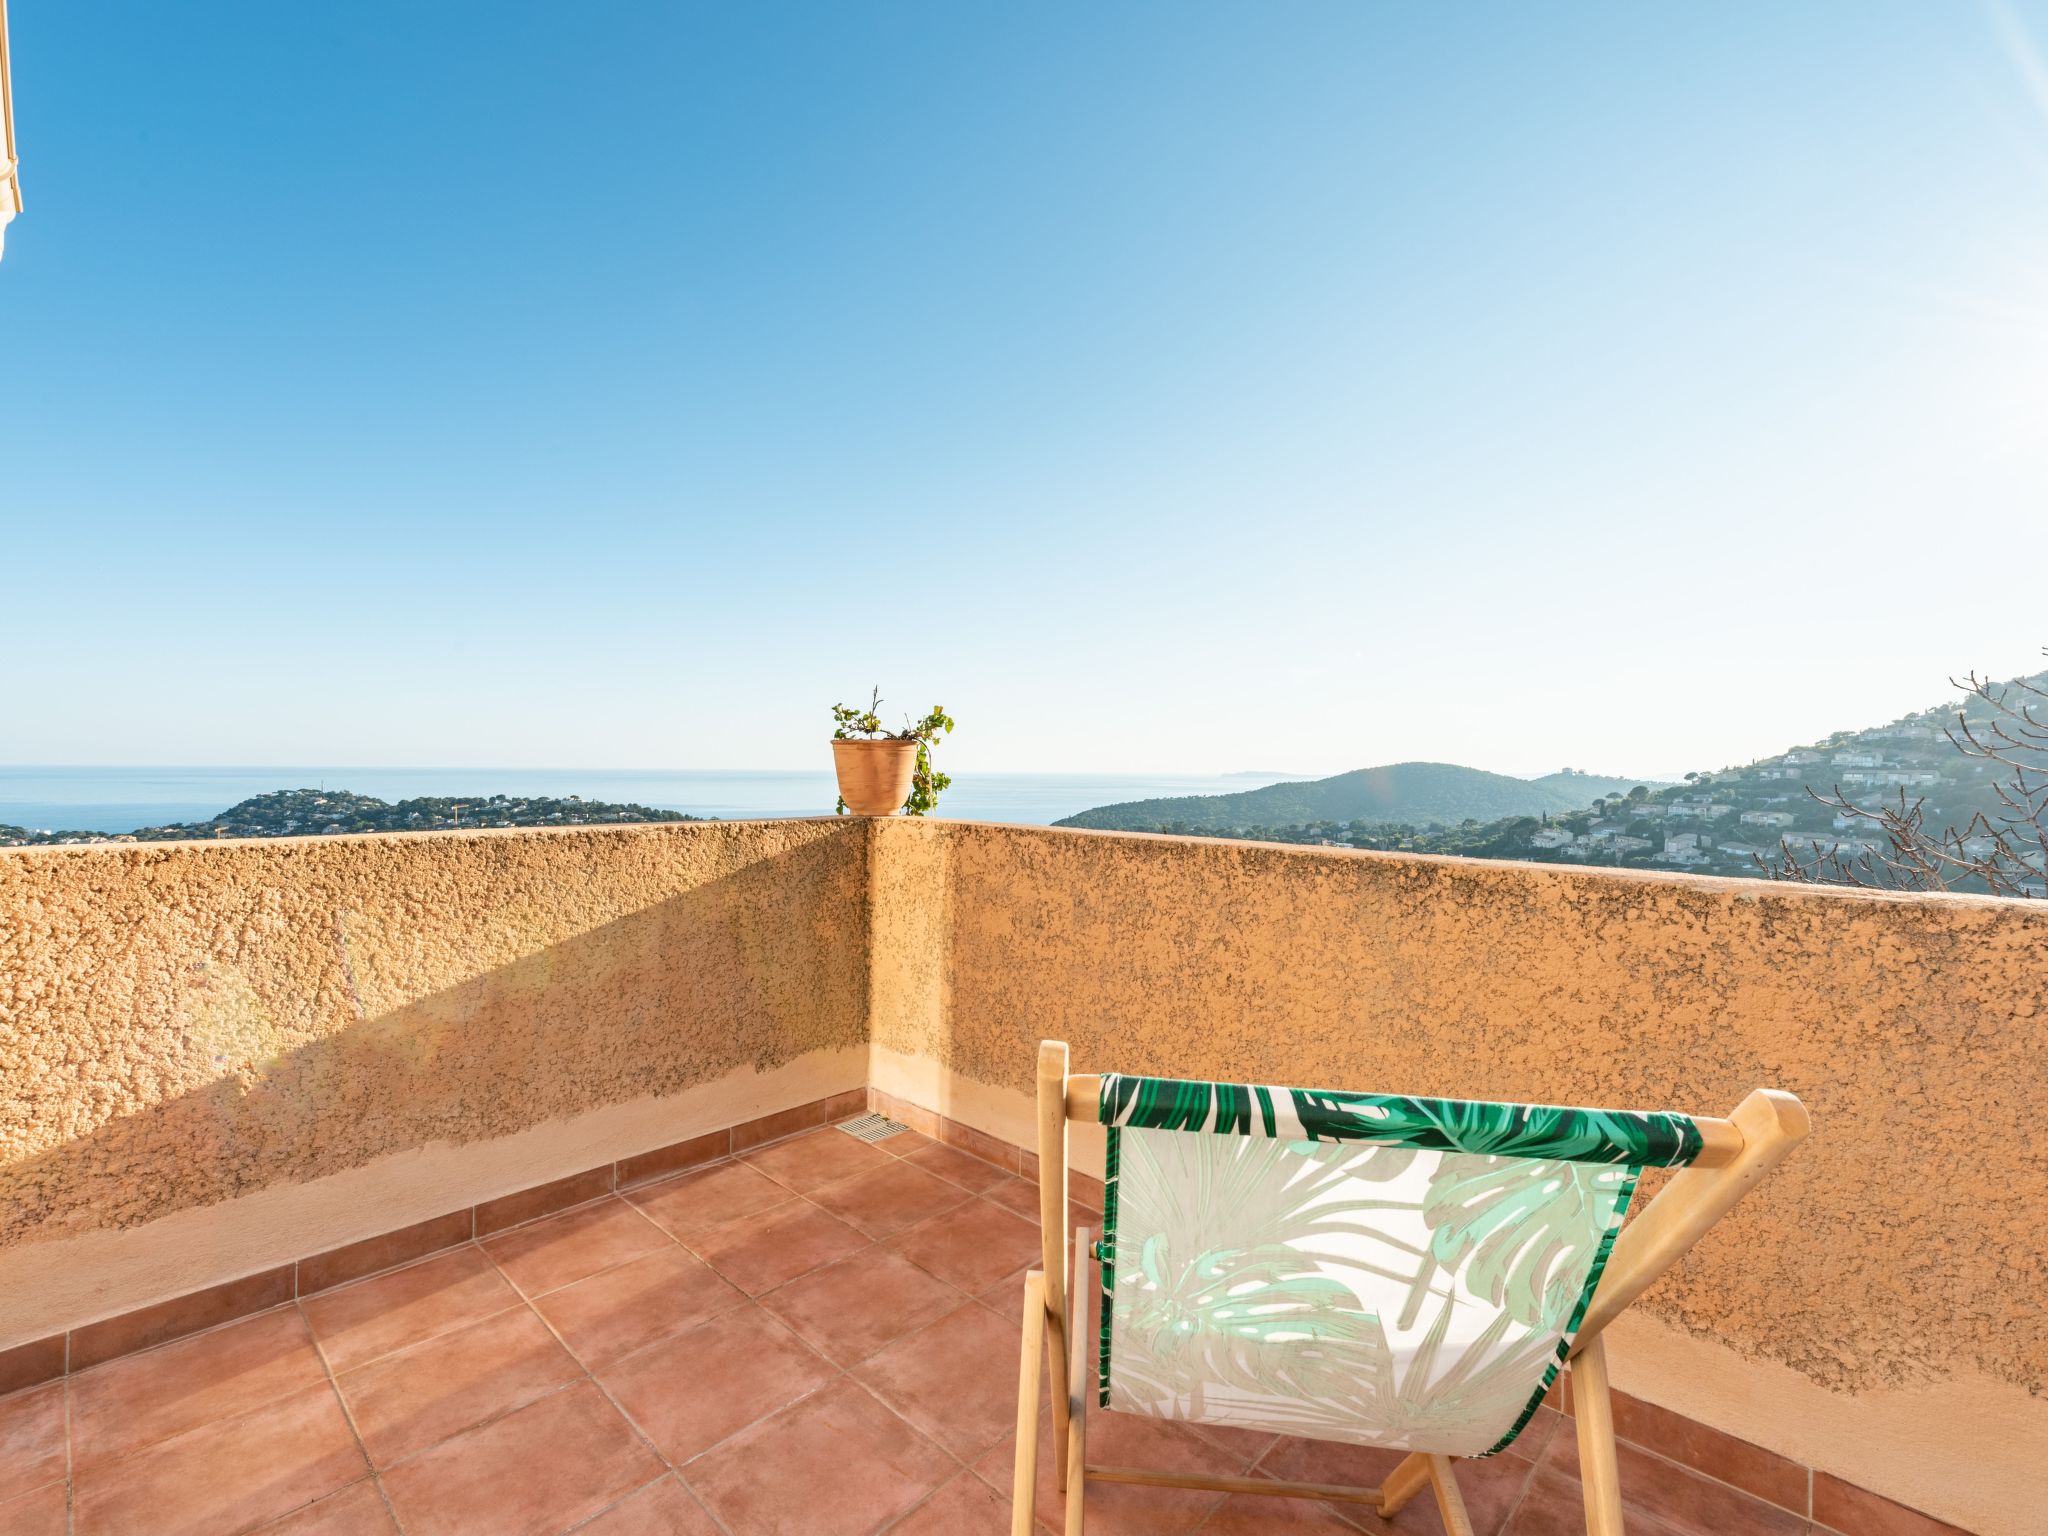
{"x": 1584, "y": 788}
{"x": 1417, "y": 794}
{"x": 1734, "y": 821}
{"x": 305, "y": 812}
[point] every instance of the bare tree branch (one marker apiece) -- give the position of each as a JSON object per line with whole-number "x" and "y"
{"x": 2004, "y": 852}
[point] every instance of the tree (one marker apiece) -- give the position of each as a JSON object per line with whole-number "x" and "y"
{"x": 2003, "y": 852}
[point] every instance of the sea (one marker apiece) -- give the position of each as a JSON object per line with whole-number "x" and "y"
{"x": 89, "y": 799}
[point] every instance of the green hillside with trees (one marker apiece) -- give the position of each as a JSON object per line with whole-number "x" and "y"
{"x": 1952, "y": 798}
{"x": 1415, "y": 794}
{"x": 311, "y": 812}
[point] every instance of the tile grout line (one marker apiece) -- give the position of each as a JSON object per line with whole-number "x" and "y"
{"x": 1708, "y": 1477}
{"x": 1705, "y": 1477}
{"x": 67, "y": 1335}
{"x": 673, "y": 1468}
{"x": 669, "y": 1467}
{"x": 70, "y": 1472}
{"x": 617, "y": 1191}
{"x": 355, "y": 1430}
{"x": 962, "y": 1297}
{"x": 529, "y": 1302}
{"x": 1522, "y": 1494}
{"x": 844, "y": 1373}
{"x": 570, "y": 1530}
{"x": 67, "y": 1369}
{"x": 440, "y": 1333}
{"x": 520, "y": 1300}
{"x": 668, "y": 1475}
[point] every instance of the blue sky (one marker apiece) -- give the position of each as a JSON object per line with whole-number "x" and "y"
{"x": 1186, "y": 386}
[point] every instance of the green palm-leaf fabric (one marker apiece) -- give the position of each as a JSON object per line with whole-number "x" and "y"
{"x": 1367, "y": 1268}
{"x": 1513, "y": 1228}
{"x": 1640, "y": 1138}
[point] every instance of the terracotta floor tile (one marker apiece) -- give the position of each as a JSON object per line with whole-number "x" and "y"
{"x": 561, "y": 1250}
{"x": 890, "y": 1198}
{"x": 904, "y": 1142}
{"x": 38, "y": 1513}
{"x": 779, "y": 1126}
{"x": 358, "y": 1510}
{"x": 230, "y": 1474}
{"x": 691, "y": 1391}
{"x": 1530, "y": 1444}
{"x": 850, "y": 1309}
{"x": 713, "y": 1147}
{"x": 1021, "y": 1196}
{"x": 957, "y": 1167}
{"x": 1773, "y": 1478}
{"x": 843, "y": 1464}
{"x": 984, "y": 1146}
{"x": 612, "y": 1314}
{"x": 538, "y": 1200}
{"x": 137, "y": 1400}
{"x": 705, "y": 1198}
{"x": 1127, "y": 1440}
{"x": 1245, "y": 1446}
{"x": 666, "y": 1508}
{"x": 357, "y": 1323}
{"x": 810, "y": 1162}
{"x": 31, "y": 1439}
{"x": 387, "y": 1250}
{"x": 1250, "y": 1515}
{"x": 761, "y": 1252}
{"x": 1007, "y": 1294}
{"x": 964, "y": 1507}
{"x": 534, "y": 1472}
{"x": 31, "y": 1364}
{"x": 971, "y": 1247}
{"x": 1121, "y": 1509}
{"x": 1683, "y": 1499}
{"x": 946, "y": 1379}
{"x": 1491, "y": 1488}
{"x": 130, "y": 1333}
{"x": 1840, "y": 1506}
{"x": 1555, "y": 1506}
{"x": 413, "y": 1398}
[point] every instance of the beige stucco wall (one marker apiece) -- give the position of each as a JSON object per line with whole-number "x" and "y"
{"x": 1896, "y": 1268}
{"x": 217, "y": 1056}
{"x": 186, "y": 1027}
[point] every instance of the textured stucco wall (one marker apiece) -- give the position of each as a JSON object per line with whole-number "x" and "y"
{"x": 1904, "y": 1246}
{"x": 207, "y": 1048}
{"x": 185, "y": 1024}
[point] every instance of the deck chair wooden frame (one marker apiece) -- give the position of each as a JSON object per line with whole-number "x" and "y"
{"x": 1736, "y": 1153}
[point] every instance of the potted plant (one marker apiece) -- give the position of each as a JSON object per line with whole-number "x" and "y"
{"x": 883, "y": 771}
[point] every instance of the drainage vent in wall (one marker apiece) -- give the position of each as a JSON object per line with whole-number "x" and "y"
{"x": 872, "y": 1127}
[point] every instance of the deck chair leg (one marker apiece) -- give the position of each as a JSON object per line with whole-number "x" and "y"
{"x": 1052, "y": 1221}
{"x": 1077, "y": 1385}
{"x": 1402, "y": 1484}
{"x": 1024, "y": 1485}
{"x": 1599, "y": 1476}
{"x": 1450, "y": 1503}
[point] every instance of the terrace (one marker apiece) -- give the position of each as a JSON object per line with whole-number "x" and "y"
{"x": 492, "y": 1182}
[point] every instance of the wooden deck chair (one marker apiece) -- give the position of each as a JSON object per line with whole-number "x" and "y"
{"x": 1386, "y": 1271}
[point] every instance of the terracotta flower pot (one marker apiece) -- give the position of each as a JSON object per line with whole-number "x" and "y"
{"x": 874, "y": 776}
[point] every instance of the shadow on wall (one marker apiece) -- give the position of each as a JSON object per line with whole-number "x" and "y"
{"x": 748, "y": 969}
